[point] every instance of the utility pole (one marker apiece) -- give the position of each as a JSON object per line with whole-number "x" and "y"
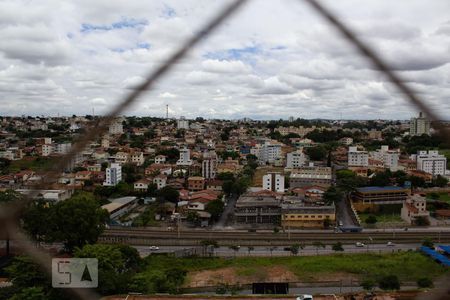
{"x": 167, "y": 111}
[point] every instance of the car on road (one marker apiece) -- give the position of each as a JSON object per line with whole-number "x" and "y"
{"x": 341, "y": 223}
{"x": 153, "y": 248}
{"x": 304, "y": 297}
{"x": 359, "y": 244}
{"x": 390, "y": 244}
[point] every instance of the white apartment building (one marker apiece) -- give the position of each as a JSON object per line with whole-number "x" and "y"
{"x": 273, "y": 182}
{"x": 209, "y": 165}
{"x": 116, "y": 128}
{"x": 137, "y": 158}
{"x": 295, "y": 159}
{"x": 113, "y": 175}
{"x": 121, "y": 157}
{"x": 267, "y": 153}
{"x": 388, "y": 157}
{"x": 357, "y": 158}
{"x": 160, "y": 159}
{"x": 185, "y": 157}
{"x": 182, "y": 123}
{"x": 431, "y": 162}
{"x": 160, "y": 181}
{"x": 419, "y": 126}
{"x": 63, "y": 148}
{"x": 47, "y": 149}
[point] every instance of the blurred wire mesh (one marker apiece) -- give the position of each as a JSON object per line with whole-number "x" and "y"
{"x": 9, "y": 213}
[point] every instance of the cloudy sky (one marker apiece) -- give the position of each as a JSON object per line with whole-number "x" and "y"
{"x": 273, "y": 59}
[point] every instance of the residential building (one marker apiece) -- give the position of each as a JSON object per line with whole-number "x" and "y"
{"x": 209, "y": 165}
{"x": 295, "y": 159}
{"x": 185, "y": 157}
{"x": 357, "y": 158}
{"x": 347, "y": 141}
{"x": 47, "y": 149}
{"x": 274, "y": 182}
{"x": 419, "y": 125}
{"x": 160, "y": 159}
{"x": 116, "y": 127}
{"x": 137, "y": 158}
{"x": 121, "y": 157}
{"x": 414, "y": 207}
{"x": 160, "y": 181}
{"x": 311, "y": 175}
{"x": 196, "y": 183}
{"x": 113, "y": 175}
{"x": 389, "y": 158}
{"x": 431, "y": 162}
{"x": 63, "y": 148}
{"x": 182, "y": 123}
{"x": 142, "y": 185}
{"x": 267, "y": 152}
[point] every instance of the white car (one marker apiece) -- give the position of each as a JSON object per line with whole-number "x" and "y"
{"x": 304, "y": 297}
{"x": 341, "y": 223}
{"x": 390, "y": 244}
{"x": 154, "y": 248}
{"x": 359, "y": 244}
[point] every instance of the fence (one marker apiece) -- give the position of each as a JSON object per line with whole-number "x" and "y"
{"x": 9, "y": 213}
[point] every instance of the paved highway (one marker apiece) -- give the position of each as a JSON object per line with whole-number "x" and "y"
{"x": 281, "y": 251}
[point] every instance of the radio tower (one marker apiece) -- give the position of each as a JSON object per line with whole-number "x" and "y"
{"x": 167, "y": 111}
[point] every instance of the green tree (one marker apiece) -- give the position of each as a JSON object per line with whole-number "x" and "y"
{"x": 389, "y": 282}
{"x": 168, "y": 193}
{"x": 440, "y": 181}
{"x": 30, "y": 293}
{"x": 318, "y": 245}
{"x": 337, "y": 247}
{"x": 422, "y": 221}
{"x": 193, "y": 218}
{"x": 316, "y": 152}
{"x": 332, "y": 195}
{"x": 215, "y": 208}
{"x": 295, "y": 249}
{"x": 77, "y": 221}
{"x": 235, "y": 248}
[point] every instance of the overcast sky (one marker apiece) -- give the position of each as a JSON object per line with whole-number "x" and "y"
{"x": 273, "y": 59}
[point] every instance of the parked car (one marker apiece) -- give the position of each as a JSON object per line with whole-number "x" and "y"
{"x": 305, "y": 297}
{"x": 154, "y": 248}
{"x": 341, "y": 223}
{"x": 359, "y": 244}
{"x": 390, "y": 244}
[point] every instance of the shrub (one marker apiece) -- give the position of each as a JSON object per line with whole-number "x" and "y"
{"x": 425, "y": 282}
{"x": 389, "y": 282}
{"x": 368, "y": 284}
{"x": 371, "y": 219}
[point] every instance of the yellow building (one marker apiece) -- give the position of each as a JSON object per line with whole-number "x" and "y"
{"x": 297, "y": 215}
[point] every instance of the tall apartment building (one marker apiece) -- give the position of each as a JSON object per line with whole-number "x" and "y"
{"x": 295, "y": 159}
{"x": 116, "y": 127}
{"x": 388, "y": 157}
{"x": 209, "y": 165}
{"x": 431, "y": 162}
{"x": 267, "y": 152}
{"x": 274, "y": 182}
{"x": 419, "y": 126}
{"x": 185, "y": 157}
{"x": 63, "y": 148}
{"x": 113, "y": 175}
{"x": 357, "y": 158}
{"x": 182, "y": 123}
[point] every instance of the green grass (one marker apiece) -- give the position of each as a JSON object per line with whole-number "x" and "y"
{"x": 382, "y": 218}
{"x": 408, "y": 266}
{"x": 442, "y": 197}
{"x": 35, "y": 164}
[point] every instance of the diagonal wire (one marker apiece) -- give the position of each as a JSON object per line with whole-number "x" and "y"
{"x": 442, "y": 290}
{"x": 379, "y": 64}
{"x": 98, "y": 128}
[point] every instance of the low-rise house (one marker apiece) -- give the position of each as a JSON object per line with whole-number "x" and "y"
{"x": 196, "y": 183}
{"x": 160, "y": 181}
{"x": 413, "y": 208}
{"x": 303, "y": 215}
{"x": 142, "y": 185}
{"x": 137, "y": 158}
{"x": 121, "y": 157}
{"x": 160, "y": 159}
